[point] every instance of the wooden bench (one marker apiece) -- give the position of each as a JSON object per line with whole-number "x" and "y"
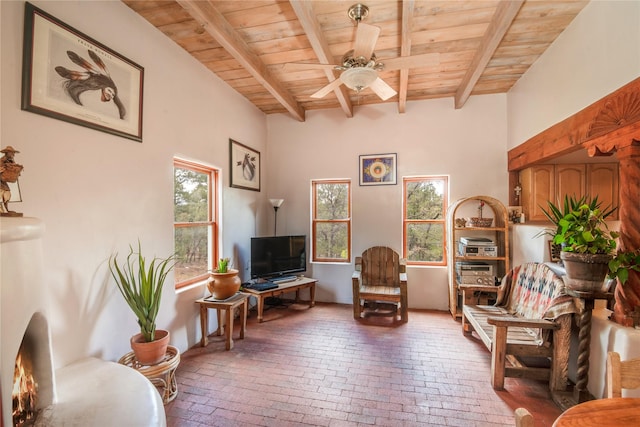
{"x": 528, "y": 330}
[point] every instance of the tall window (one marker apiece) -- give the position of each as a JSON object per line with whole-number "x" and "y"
{"x": 195, "y": 226}
{"x": 425, "y": 206}
{"x": 331, "y": 221}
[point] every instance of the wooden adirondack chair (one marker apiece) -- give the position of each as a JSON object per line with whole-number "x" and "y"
{"x": 380, "y": 277}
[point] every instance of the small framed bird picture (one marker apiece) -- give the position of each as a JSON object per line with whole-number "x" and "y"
{"x": 244, "y": 166}
{"x": 69, "y": 76}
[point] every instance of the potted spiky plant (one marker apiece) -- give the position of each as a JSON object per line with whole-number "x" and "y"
{"x": 140, "y": 283}
{"x": 225, "y": 281}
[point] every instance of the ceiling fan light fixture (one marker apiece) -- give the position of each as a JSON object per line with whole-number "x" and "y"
{"x": 358, "y": 78}
{"x": 358, "y": 12}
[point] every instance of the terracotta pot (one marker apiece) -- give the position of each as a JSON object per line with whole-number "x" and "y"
{"x": 224, "y": 285}
{"x": 150, "y": 353}
{"x": 585, "y": 272}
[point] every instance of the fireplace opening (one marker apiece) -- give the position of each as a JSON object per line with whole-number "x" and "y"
{"x": 25, "y": 385}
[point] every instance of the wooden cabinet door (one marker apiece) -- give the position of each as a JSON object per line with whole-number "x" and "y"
{"x": 602, "y": 181}
{"x": 570, "y": 181}
{"x": 538, "y": 186}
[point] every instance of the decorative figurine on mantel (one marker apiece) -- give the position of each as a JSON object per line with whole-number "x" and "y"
{"x": 9, "y": 172}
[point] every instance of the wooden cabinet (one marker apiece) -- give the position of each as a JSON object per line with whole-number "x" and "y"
{"x": 603, "y": 181}
{"x": 538, "y": 185}
{"x": 570, "y": 180}
{"x": 456, "y": 230}
{"x": 544, "y": 183}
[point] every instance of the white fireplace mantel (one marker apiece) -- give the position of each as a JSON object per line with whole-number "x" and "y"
{"x": 87, "y": 392}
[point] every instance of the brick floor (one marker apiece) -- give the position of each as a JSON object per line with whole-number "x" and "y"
{"x": 320, "y": 367}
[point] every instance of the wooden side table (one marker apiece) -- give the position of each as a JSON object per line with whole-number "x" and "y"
{"x": 162, "y": 375}
{"x": 239, "y": 300}
{"x": 295, "y": 286}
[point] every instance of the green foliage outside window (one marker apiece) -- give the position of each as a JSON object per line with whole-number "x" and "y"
{"x": 425, "y": 205}
{"x": 191, "y": 213}
{"x": 331, "y": 221}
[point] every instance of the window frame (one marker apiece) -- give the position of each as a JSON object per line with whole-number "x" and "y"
{"x": 315, "y": 221}
{"x": 212, "y": 221}
{"x": 443, "y": 221}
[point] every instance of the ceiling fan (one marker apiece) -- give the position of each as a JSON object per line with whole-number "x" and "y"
{"x": 360, "y": 66}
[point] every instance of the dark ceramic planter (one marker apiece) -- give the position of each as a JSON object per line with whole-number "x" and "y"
{"x": 585, "y": 272}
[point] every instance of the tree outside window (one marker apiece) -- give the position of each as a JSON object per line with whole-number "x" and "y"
{"x": 331, "y": 222}
{"x": 425, "y": 207}
{"x": 195, "y": 233}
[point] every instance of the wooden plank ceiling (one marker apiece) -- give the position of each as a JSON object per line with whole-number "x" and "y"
{"x": 483, "y": 47}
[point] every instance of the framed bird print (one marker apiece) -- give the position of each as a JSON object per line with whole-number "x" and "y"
{"x": 69, "y": 76}
{"x": 244, "y": 166}
{"x": 378, "y": 169}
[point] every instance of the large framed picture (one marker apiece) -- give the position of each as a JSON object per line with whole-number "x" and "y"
{"x": 244, "y": 164}
{"x": 378, "y": 169}
{"x": 69, "y": 76}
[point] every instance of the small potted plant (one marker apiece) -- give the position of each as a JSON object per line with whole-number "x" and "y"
{"x": 140, "y": 284}
{"x": 225, "y": 282}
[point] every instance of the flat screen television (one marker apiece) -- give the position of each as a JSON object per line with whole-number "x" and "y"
{"x": 278, "y": 256}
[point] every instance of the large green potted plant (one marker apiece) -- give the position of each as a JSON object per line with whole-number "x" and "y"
{"x": 588, "y": 247}
{"x": 140, "y": 283}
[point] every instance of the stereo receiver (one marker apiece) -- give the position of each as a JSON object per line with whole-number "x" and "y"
{"x": 482, "y": 250}
{"x": 474, "y": 269}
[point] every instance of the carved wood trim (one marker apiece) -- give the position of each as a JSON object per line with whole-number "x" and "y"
{"x": 617, "y": 114}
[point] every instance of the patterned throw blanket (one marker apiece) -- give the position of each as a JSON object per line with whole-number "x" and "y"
{"x": 535, "y": 291}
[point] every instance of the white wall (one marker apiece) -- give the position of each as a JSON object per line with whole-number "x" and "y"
{"x": 598, "y": 53}
{"x": 97, "y": 193}
{"x": 431, "y": 138}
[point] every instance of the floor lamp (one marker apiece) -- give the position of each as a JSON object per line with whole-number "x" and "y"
{"x": 276, "y": 203}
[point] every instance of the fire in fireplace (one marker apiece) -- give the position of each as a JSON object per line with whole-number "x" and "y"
{"x": 25, "y": 387}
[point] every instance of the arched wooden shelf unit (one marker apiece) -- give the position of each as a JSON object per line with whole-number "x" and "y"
{"x": 498, "y": 232}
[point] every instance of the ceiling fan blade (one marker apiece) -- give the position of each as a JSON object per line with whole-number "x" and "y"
{"x": 383, "y": 90}
{"x": 415, "y": 61}
{"x": 302, "y": 66}
{"x": 366, "y": 38}
{"x": 328, "y": 88}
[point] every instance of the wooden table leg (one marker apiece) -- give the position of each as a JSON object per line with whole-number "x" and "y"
{"x": 243, "y": 316}
{"x": 220, "y": 330}
{"x": 260, "y": 307}
{"x": 204, "y": 320}
{"x": 312, "y": 295}
{"x": 580, "y": 391}
{"x": 229, "y": 328}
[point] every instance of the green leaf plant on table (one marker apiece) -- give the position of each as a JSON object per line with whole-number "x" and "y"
{"x": 586, "y": 241}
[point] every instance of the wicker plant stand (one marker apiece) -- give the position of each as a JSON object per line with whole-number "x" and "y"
{"x": 162, "y": 375}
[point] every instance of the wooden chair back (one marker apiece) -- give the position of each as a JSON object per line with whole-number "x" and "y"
{"x": 621, "y": 374}
{"x": 380, "y": 267}
{"x": 379, "y": 280}
{"x": 523, "y": 418}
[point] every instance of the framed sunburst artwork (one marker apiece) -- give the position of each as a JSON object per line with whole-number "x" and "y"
{"x": 378, "y": 169}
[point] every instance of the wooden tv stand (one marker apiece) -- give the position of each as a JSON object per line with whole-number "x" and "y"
{"x": 296, "y": 285}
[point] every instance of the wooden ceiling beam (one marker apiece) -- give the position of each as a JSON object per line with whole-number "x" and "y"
{"x": 502, "y": 19}
{"x": 214, "y": 23}
{"x": 311, "y": 26}
{"x": 405, "y": 50}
